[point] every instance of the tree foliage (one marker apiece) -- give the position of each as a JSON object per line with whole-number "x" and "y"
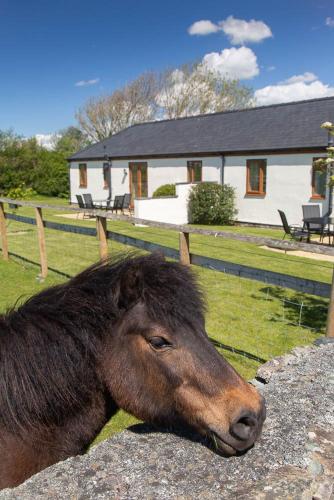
{"x": 25, "y": 165}
{"x": 327, "y": 164}
{"x": 211, "y": 203}
{"x": 193, "y": 89}
{"x": 70, "y": 140}
{"x": 104, "y": 116}
{"x": 190, "y": 90}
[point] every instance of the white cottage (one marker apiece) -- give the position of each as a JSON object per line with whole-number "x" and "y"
{"x": 266, "y": 153}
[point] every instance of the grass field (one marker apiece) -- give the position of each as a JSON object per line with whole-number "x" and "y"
{"x": 248, "y": 315}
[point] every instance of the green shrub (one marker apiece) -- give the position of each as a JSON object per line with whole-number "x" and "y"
{"x": 20, "y": 193}
{"x": 164, "y": 190}
{"x": 211, "y": 203}
{"x": 24, "y": 163}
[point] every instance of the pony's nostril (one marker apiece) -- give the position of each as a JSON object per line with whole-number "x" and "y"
{"x": 244, "y": 427}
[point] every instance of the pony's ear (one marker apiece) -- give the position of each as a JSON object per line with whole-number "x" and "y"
{"x": 130, "y": 287}
{"x": 133, "y": 278}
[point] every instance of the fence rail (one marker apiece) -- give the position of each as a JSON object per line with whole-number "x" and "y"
{"x": 183, "y": 254}
{"x": 280, "y": 244}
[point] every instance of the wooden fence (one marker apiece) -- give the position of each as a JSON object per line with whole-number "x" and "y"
{"x": 183, "y": 254}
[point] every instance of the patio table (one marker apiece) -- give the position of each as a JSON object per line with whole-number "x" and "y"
{"x": 321, "y": 221}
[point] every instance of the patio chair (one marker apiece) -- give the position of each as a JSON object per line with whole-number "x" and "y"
{"x": 310, "y": 211}
{"x": 295, "y": 232}
{"x": 89, "y": 202}
{"x": 117, "y": 205}
{"x": 126, "y": 202}
{"x": 81, "y": 205}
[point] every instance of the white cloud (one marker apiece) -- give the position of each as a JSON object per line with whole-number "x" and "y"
{"x": 47, "y": 141}
{"x": 329, "y": 22}
{"x": 233, "y": 63}
{"x": 203, "y": 27}
{"x": 86, "y": 83}
{"x": 271, "y": 68}
{"x": 296, "y": 88}
{"x": 240, "y": 31}
{"x": 306, "y": 77}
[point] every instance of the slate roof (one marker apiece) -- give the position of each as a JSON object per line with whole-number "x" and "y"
{"x": 293, "y": 125}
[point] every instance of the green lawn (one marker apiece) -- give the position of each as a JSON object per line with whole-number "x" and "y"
{"x": 220, "y": 248}
{"x": 260, "y": 319}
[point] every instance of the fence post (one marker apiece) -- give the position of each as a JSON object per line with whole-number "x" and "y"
{"x": 184, "y": 248}
{"x": 101, "y": 228}
{"x": 330, "y": 314}
{"x": 41, "y": 242}
{"x": 3, "y": 233}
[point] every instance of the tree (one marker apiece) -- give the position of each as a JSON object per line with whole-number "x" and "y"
{"x": 327, "y": 164}
{"x": 194, "y": 89}
{"x": 104, "y": 116}
{"x": 27, "y": 166}
{"x": 70, "y": 140}
{"x": 190, "y": 90}
{"x": 8, "y": 139}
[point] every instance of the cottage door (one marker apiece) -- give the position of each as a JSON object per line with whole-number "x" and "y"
{"x": 138, "y": 180}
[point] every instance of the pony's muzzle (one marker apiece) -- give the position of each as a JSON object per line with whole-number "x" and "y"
{"x": 244, "y": 430}
{"x": 247, "y": 427}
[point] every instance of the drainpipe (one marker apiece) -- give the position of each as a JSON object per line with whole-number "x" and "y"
{"x": 330, "y": 201}
{"x": 222, "y": 170}
{"x": 107, "y": 160}
{"x": 109, "y": 178}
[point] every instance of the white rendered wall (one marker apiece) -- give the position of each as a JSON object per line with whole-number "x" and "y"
{"x": 160, "y": 171}
{"x": 173, "y": 210}
{"x": 289, "y": 187}
{"x": 95, "y": 180}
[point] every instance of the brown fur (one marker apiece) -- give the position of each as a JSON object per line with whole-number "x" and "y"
{"x": 71, "y": 356}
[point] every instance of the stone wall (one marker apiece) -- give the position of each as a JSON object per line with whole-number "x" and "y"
{"x": 293, "y": 459}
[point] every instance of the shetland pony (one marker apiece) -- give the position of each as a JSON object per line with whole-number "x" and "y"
{"x": 128, "y": 334}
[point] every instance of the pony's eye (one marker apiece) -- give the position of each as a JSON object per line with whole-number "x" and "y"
{"x": 159, "y": 342}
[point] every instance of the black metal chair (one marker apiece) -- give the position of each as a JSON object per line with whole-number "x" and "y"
{"x": 295, "y": 232}
{"x": 81, "y": 205}
{"x": 89, "y": 202}
{"x": 313, "y": 212}
{"x": 117, "y": 205}
{"x": 126, "y": 205}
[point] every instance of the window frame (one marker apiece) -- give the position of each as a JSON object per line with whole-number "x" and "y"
{"x": 105, "y": 173}
{"x": 191, "y": 171}
{"x": 262, "y": 163}
{"x": 83, "y": 176}
{"x": 314, "y": 194}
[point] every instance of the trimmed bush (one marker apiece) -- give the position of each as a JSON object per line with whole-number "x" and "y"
{"x": 164, "y": 190}
{"x": 211, "y": 203}
{"x": 20, "y": 193}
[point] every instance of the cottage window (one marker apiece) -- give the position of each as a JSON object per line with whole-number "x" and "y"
{"x": 105, "y": 175}
{"x": 318, "y": 182}
{"x": 194, "y": 171}
{"x": 83, "y": 175}
{"x": 256, "y": 182}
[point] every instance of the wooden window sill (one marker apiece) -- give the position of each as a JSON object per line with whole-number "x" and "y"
{"x": 317, "y": 197}
{"x": 255, "y": 195}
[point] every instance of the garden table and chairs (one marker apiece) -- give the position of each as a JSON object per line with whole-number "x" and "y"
{"x": 314, "y": 223}
{"x": 120, "y": 202}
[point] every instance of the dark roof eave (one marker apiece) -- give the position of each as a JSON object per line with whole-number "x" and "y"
{"x": 295, "y": 149}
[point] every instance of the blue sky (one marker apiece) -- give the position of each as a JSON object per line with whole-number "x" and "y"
{"x": 46, "y": 48}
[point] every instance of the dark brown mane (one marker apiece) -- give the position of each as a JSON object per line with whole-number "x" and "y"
{"x": 49, "y": 345}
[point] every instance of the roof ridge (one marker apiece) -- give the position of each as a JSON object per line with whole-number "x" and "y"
{"x": 241, "y": 110}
